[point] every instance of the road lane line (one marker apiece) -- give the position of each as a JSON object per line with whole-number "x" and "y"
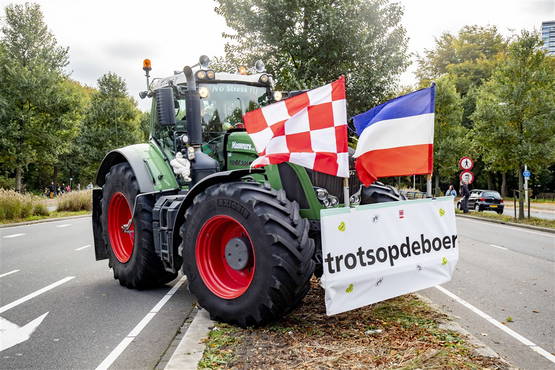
{"x": 83, "y": 247}
{"x": 63, "y": 225}
{"x": 116, "y": 352}
{"x": 498, "y": 246}
{"x": 13, "y": 236}
{"x": 9, "y": 273}
{"x": 496, "y": 323}
{"x": 35, "y": 293}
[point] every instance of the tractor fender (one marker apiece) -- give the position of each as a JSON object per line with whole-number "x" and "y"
{"x": 151, "y": 170}
{"x": 132, "y": 155}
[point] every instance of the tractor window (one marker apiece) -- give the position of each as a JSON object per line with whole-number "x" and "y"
{"x": 225, "y": 103}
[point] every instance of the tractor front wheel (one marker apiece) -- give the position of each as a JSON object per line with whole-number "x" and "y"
{"x": 246, "y": 253}
{"x": 129, "y": 239}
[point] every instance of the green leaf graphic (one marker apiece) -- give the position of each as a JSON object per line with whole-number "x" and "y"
{"x": 349, "y": 288}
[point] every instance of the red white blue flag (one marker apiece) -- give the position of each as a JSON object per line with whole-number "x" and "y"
{"x": 396, "y": 138}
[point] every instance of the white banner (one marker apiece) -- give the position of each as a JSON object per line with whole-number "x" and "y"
{"x": 378, "y": 251}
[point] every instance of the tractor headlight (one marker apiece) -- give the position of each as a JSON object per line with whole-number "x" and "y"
{"x": 201, "y": 75}
{"x": 326, "y": 203}
{"x": 321, "y": 194}
{"x": 333, "y": 201}
{"x": 355, "y": 199}
{"x": 278, "y": 95}
{"x": 211, "y": 75}
{"x": 264, "y": 79}
{"x": 203, "y": 91}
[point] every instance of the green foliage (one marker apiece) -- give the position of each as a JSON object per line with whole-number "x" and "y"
{"x": 515, "y": 113}
{"x": 308, "y": 43}
{"x": 468, "y": 57}
{"x": 514, "y": 121}
{"x": 36, "y": 104}
{"x": 112, "y": 121}
{"x": 449, "y": 134}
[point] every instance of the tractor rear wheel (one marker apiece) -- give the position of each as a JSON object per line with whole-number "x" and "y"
{"x": 130, "y": 245}
{"x": 246, "y": 253}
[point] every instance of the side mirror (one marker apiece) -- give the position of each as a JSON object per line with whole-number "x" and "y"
{"x": 165, "y": 106}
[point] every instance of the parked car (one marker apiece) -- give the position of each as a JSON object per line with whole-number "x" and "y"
{"x": 484, "y": 200}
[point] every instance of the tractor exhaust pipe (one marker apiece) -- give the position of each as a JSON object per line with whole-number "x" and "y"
{"x": 194, "y": 127}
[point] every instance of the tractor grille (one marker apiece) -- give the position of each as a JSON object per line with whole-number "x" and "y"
{"x": 333, "y": 184}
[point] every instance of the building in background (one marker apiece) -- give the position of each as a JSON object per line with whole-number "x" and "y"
{"x": 548, "y": 37}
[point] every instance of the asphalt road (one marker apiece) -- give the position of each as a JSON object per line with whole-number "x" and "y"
{"x": 505, "y": 272}
{"x": 90, "y": 317}
{"x": 545, "y": 211}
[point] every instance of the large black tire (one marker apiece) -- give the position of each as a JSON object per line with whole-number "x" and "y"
{"x": 141, "y": 268}
{"x": 280, "y": 262}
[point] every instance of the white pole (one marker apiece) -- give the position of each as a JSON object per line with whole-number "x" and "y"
{"x": 429, "y": 185}
{"x": 346, "y": 195}
{"x": 525, "y": 186}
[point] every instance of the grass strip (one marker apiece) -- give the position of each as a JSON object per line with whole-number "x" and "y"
{"x": 51, "y": 215}
{"x": 534, "y": 221}
{"x": 400, "y": 333}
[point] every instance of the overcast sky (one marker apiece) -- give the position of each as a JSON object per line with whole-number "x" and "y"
{"x": 117, "y": 35}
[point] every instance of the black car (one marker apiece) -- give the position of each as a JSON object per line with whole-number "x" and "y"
{"x": 484, "y": 200}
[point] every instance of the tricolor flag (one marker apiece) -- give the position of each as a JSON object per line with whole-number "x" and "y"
{"x": 309, "y": 129}
{"x": 396, "y": 138}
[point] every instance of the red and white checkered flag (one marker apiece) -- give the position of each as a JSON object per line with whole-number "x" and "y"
{"x": 309, "y": 129}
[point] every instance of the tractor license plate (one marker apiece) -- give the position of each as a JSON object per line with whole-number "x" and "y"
{"x": 492, "y": 206}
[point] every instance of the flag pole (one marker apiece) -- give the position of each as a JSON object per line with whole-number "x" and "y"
{"x": 346, "y": 197}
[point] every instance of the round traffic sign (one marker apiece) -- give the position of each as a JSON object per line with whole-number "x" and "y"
{"x": 467, "y": 176}
{"x": 466, "y": 163}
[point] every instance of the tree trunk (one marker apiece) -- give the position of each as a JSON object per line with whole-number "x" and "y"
{"x": 18, "y": 179}
{"x": 490, "y": 181}
{"x": 520, "y": 193}
{"x": 437, "y": 190}
{"x": 503, "y": 184}
{"x": 55, "y": 174}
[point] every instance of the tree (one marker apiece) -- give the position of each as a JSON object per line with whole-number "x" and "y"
{"x": 449, "y": 134}
{"x": 307, "y": 43}
{"x": 514, "y": 121}
{"x": 469, "y": 57}
{"x": 35, "y": 105}
{"x": 112, "y": 121}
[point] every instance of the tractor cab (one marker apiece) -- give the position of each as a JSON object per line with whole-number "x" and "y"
{"x": 223, "y": 99}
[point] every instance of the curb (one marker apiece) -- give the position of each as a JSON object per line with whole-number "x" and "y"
{"x": 537, "y": 228}
{"x": 43, "y": 220}
{"x": 480, "y": 348}
{"x": 190, "y": 349}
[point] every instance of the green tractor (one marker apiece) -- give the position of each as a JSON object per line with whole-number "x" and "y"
{"x": 248, "y": 240}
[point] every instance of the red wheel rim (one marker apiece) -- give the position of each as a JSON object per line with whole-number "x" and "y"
{"x": 119, "y": 214}
{"x": 217, "y": 275}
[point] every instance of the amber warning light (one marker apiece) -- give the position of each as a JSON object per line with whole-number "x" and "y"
{"x": 146, "y": 65}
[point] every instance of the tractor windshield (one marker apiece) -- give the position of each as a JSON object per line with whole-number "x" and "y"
{"x": 223, "y": 104}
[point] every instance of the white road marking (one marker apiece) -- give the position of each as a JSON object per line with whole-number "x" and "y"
{"x": 497, "y": 246}
{"x": 11, "y": 334}
{"x": 108, "y": 361}
{"x": 9, "y": 273}
{"x": 35, "y": 293}
{"x": 13, "y": 235}
{"x": 83, "y": 247}
{"x": 63, "y": 225}
{"x": 514, "y": 228}
{"x": 491, "y": 320}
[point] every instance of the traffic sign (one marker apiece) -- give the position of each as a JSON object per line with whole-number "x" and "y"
{"x": 467, "y": 176}
{"x": 466, "y": 163}
{"x": 526, "y": 174}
